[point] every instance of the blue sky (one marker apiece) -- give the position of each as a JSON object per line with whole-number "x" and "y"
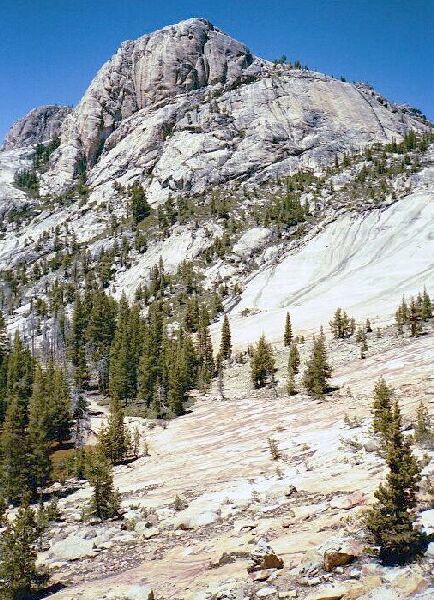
{"x": 51, "y": 49}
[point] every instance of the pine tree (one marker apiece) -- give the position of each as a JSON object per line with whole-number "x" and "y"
{"x": 318, "y": 371}
{"x": 262, "y": 363}
{"x": 391, "y": 521}
{"x": 287, "y": 335}
{"x": 426, "y": 308}
{"x": 151, "y": 361}
{"x": 77, "y": 341}
{"x": 294, "y": 358}
{"x": 225, "y": 344}
{"x": 140, "y": 208}
{"x": 113, "y": 439}
{"x": 368, "y": 327}
{"x": 399, "y": 320}
{"x": 99, "y": 334}
{"x": 59, "y": 406}
{"x": 18, "y": 573}
{"x": 414, "y": 319}
{"x": 20, "y": 375}
{"x": 4, "y": 351}
{"x": 206, "y": 363}
{"x": 105, "y": 501}
{"x": 291, "y": 381}
{"x": 39, "y": 429}
{"x": 423, "y": 433}
{"x": 16, "y": 465}
{"x": 124, "y": 356}
{"x": 382, "y": 407}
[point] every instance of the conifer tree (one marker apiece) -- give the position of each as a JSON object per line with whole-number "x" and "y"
{"x": 318, "y": 370}
{"x": 99, "y": 334}
{"x": 113, "y": 439}
{"x": 399, "y": 320}
{"x": 16, "y": 464}
{"x": 77, "y": 341}
{"x": 391, "y": 521}
{"x": 19, "y": 576}
{"x": 225, "y": 344}
{"x": 124, "y": 356}
{"x": 294, "y": 358}
{"x": 20, "y": 375}
{"x": 382, "y": 407}
{"x": 414, "y": 319}
{"x": 206, "y": 363}
{"x": 291, "y": 381}
{"x": 152, "y": 356}
{"x": 287, "y": 335}
{"x": 4, "y": 351}
{"x": 368, "y": 327}
{"x": 105, "y": 501}
{"x": 59, "y": 406}
{"x": 182, "y": 371}
{"x": 39, "y": 429}
{"x": 423, "y": 433}
{"x": 426, "y": 306}
{"x": 262, "y": 363}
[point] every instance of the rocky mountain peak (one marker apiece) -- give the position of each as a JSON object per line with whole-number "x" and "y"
{"x": 157, "y": 66}
{"x": 39, "y": 125}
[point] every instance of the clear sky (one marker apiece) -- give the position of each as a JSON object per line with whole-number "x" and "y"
{"x": 51, "y": 49}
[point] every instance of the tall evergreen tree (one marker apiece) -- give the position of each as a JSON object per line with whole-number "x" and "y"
{"x": 206, "y": 369}
{"x": 19, "y": 576}
{"x": 20, "y": 375}
{"x": 391, "y": 521}
{"x": 318, "y": 370}
{"x": 123, "y": 356}
{"x": 39, "y": 429}
{"x": 262, "y": 363}
{"x": 152, "y": 355}
{"x": 16, "y": 464}
{"x": 294, "y": 358}
{"x": 287, "y": 334}
{"x": 59, "y": 405}
{"x": 382, "y": 407}
{"x": 113, "y": 439}
{"x": 99, "y": 334}
{"x": 426, "y": 307}
{"x": 414, "y": 319}
{"x": 423, "y": 433}
{"x": 4, "y": 352}
{"x": 77, "y": 341}
{"x": 105, "y": 501}
{"x": 226, "y": 344}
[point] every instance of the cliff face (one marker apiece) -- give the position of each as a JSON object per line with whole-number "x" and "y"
{"x": 187, "y": 107}
{"x": 150, "y": 70}
{"x": 39, "y": 125}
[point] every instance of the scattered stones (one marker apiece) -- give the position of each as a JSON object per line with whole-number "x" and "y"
{"x": 264, "y": 558}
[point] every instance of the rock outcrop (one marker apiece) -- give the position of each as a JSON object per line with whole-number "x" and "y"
{"x": 187, "y": 107}
{"x": 39, "y": 125}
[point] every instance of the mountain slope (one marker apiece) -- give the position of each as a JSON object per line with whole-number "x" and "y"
{"x": 362, "y": 262}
